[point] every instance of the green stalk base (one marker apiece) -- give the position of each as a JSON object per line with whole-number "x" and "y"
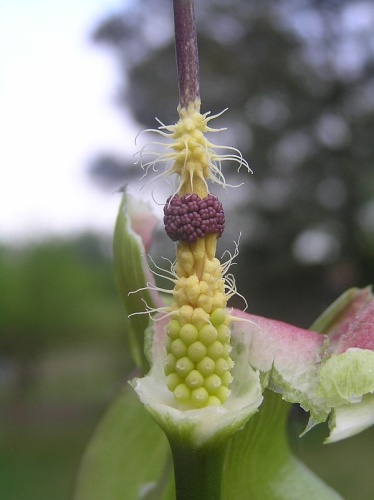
{"x": 198, "y": 472}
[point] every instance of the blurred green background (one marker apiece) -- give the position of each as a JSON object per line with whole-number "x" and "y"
{"x": 298, "y": 78}
{"x": 63, "y": 356}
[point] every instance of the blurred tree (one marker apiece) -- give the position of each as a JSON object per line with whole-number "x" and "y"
{"x": 298, "y": 78}
{"x": 53, "y": 293}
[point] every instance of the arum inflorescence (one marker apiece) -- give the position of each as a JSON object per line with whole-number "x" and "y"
{"x": 198, "y": 346}
{"x": 198, "y": 363}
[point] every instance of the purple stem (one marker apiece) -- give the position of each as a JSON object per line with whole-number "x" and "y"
{"x": 186, "y": 52}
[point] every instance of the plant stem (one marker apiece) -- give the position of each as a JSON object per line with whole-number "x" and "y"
{"x": 198, "y": 472}
{"x": 186, "y": 52}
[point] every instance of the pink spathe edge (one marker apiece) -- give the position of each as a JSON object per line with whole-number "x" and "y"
{"x": 273, "y": 342}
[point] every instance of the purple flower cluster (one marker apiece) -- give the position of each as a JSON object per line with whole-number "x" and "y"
{"x": 189, "y": 217}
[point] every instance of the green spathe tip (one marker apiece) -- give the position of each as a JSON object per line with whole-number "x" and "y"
{"x": 345, "y": 378}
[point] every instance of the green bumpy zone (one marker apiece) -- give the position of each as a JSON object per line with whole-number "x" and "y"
{"x": 198, "y": 362}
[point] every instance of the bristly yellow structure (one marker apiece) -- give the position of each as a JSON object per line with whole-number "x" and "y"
{"x": 189, "y": 154}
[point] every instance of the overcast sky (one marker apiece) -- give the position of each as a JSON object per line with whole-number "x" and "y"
{"x": 56, "y": 112}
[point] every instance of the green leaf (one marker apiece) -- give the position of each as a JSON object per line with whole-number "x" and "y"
{"x": 260, "y": 465}
{"x": 127, "y": 458}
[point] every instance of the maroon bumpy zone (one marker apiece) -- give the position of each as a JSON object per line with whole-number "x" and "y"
{"x": 189, "y": 217}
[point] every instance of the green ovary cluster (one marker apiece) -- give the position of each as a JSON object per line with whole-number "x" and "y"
{"x": 198, "y": 361}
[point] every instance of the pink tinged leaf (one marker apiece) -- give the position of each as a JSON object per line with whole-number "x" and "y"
{"x": 348, "y": 322}
{"x": 143, "y": 221}
{"x": 360, "y": 333}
